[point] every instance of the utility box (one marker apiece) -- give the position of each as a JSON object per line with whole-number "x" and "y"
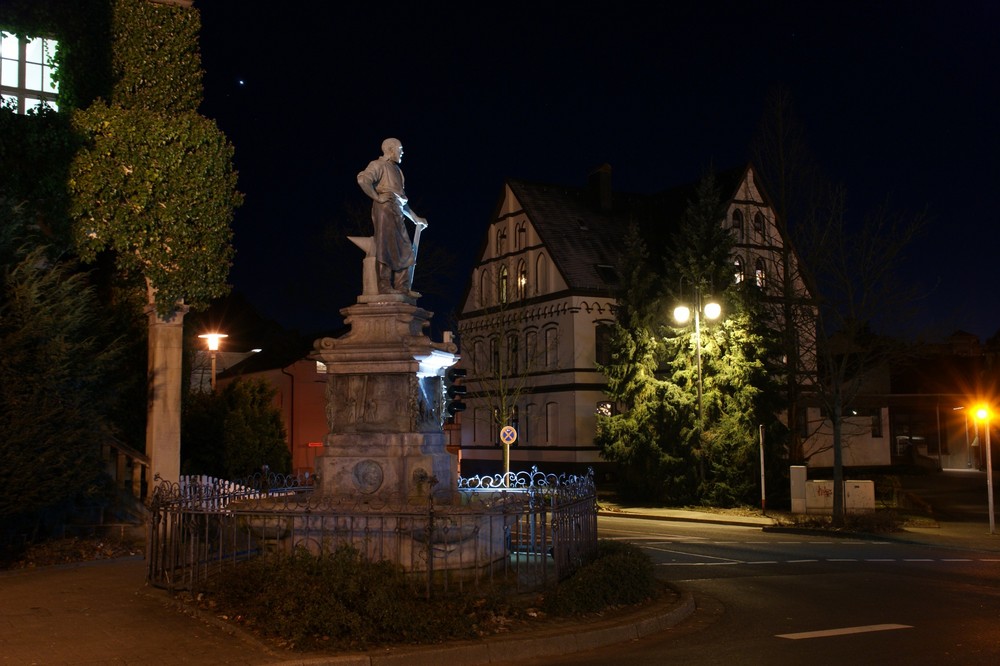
{"x": 797, "y": 475}
{"x": 819, "y": 497}
{"x": 859, "y": 496}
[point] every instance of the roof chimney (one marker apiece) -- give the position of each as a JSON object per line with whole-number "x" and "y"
{"x": 599, "y": 183}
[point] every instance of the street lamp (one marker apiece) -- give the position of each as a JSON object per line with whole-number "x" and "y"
{"x": 682, "y": 314}
{"x": 212, "y": 339}
{"x": 983, "y": 413}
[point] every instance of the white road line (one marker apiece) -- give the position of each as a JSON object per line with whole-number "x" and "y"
{"x": 697, "y": 564}
{"x": 801, "y": 561}
{"x": 841, "y": 559}
{"x": 762, "y": 562}
{"x": 843, "y": 632}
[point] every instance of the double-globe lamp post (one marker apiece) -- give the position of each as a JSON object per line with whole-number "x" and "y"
{"x": 682, "y": 315}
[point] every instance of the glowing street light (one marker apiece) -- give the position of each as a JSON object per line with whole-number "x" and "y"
{"x": 682, "y": 314}
{"x": 983, "y": 414}
{"x": 212, "y": 340}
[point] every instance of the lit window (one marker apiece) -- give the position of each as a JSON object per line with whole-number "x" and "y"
{"x": 321, "y": 367}
{"x": 522, "y": 280}
{"x": 605, "y": 408}
{"x": 738, "y": 275}
{"x": 759, "y": 274}
{"x": 26, "y": 72}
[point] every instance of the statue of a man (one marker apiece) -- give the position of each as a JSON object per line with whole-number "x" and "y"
{"x": 395, "y": 254}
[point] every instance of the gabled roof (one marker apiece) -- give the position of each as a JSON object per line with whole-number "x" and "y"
{"x": 584, "y": 237}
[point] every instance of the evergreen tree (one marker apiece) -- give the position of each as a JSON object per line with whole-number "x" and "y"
{"x": 58, "y": 367}
{"x": 234, "y": 433}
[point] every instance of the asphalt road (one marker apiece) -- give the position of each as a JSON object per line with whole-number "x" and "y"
{"x": 779, "y": 598}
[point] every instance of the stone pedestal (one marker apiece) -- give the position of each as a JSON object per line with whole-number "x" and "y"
{"x": 385, "y": 406}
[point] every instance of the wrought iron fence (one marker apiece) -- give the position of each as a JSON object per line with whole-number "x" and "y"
{"x": 528, "y": 529}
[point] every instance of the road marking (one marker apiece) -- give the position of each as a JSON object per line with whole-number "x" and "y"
{"x": 917, "y": 559}
{"x": 881, "y": 559}
{"x": 989, "y": 560}
{"x": 841, "y": 559}
{"x": 801, "y": 561}
{"x": 844, "y": 632}
{"x": 762, "y": 562}
{"x": 698, "y": 564}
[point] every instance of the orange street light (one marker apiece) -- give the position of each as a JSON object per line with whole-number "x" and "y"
{"x": 983, "y": 414}
{"x": 212, "y": 340}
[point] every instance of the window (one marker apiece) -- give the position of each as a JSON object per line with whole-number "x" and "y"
{"x": 525, "y": 434}
{"x": 602, "y": 343}
{"x": 605, "y": 408}
{"x": 738, "y": 224}
{"x": 530, "y": 350}
{"x": 478, "y": 357}
{"x": 494, "y": 355}
{"x": 759, "y": 274}
{"x": 551, "y": 422}
{"x": 738, "y": 275}
{"x": 520, "y": 236}
{"x": 522, "y": 280}
{"x": 26, "y": 72}
{"x": 501, "y": 241}
{"x": 502, "y": 286}
{"x": 551, "y": 349}
{"x": 876, "y": 422}
{"x": 484, "y": 289}
{"x": 512, "y": 354}
{"x": 541, "y": 274}
{"x": 758, "y": 224}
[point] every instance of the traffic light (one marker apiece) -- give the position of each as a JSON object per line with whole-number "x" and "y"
{"x": 454, "y": 392}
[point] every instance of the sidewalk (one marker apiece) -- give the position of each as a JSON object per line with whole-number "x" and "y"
{"x": 103, "y": 613}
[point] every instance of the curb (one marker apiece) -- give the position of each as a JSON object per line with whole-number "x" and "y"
{"x": 738, "y": 522}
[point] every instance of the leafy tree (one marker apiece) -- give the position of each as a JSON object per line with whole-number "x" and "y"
{"x": 58, "y": 367}
{"x": 232, "y": 434}
{"x": 153, "y": 188}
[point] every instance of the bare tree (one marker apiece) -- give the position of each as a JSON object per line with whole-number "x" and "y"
{"x": 856, "y": 272}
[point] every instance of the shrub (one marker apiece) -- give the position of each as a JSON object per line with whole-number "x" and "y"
{"x": 619, "y": 574}
{"x": 339, "y": 600}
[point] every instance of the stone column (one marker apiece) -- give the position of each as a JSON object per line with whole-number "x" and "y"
{"x": 163, "y": 424}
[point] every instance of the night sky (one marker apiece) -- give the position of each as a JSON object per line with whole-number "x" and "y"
{"x": 899, "y": 101}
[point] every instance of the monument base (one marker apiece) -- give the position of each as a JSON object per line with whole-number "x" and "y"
{"x": 407, "y": 468}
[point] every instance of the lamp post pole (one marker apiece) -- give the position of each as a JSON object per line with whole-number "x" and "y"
{"x": 984, "y": 414}
{"x": 212, "y": 339}
{"x": 681, "y": 315}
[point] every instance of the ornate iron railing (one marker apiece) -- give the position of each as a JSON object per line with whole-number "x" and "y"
{"x": 530, "y": 532}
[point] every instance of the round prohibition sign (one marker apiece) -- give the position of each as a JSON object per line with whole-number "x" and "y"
{"x": 508, "y": 435}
